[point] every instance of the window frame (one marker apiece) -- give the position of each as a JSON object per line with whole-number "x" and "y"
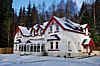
{"x": 42, "y": 47}
{"x": 38, "y": 47}
{"x": 57, "y": 45}
{"x": 57, "y": 27}
{"x": 35, "y": 48}
{"x": 79, "y": 47}
{"x": 51, "y": 45}
{"x": 69, "y": 46}
{"x": 31, "y": 48}
{"x": 51, "y": 29}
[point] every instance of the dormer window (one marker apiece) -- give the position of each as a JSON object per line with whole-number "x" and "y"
{"x": 33, "y": 33}
{"x": 57, "y": 27}
{"x": 50, "y": 28}
{"x": 36, "y": 33}
{"x": 19, "y": 35}
{"x": 41, "y": 31}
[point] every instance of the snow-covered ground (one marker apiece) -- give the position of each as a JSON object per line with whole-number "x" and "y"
{"x": 16, "y": 60}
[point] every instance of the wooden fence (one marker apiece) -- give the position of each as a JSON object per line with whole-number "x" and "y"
{"x": 6, "y": 50}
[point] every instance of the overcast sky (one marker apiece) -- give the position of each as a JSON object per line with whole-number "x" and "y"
{"x": 20, "y": 3}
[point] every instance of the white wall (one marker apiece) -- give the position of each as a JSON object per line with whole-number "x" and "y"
{"x": 74, "y": 38}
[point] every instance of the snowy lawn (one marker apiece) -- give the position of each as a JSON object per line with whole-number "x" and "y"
{"x": 16, "y": 60}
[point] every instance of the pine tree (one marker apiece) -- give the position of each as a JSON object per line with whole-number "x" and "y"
{"x": 53, "y": 8}
{"x": 87, "y": 17}
{"x": 70, "y": 9}
{"x": 34, "y": 15}
{"x": 22, "y": 17}
{"x": 6, "y": 23}
{"x": 60, "y": 9}
{"x": 29, "y": 12}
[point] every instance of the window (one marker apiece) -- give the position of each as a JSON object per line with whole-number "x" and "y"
{"x": 32, "y": 33}
{"x": 19, "y": 35}
{"x": 36, "y": 34}
{"x": 51, "y": 45}
{"x": 19, "y": 47}
{"x": 34, "y": 47}
{"x": 24, "y": 48}
{"x": 69, "y": 46}
{"x": 56, "y": 45}
{"x": 16, "y": 47}
{"x": 41, "y": 31}
{"x": 79, "y": 49}
{"x": 43, "y": 47}
{"x": 57, "y": 27}
{"x": 84, "y": 41}
{"x": 31, "y": 48}
{"x": 50, "y": 28}
{"x": 38, "y": 47}
{"x": 28, "y": 49}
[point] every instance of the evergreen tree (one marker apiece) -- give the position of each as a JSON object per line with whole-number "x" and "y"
{"x": 29, "y": 12}
{"x": 87, "y": 17}
{"x": 21, "y": 17}
{"x": 60, "y": 9}
{"x": 34, "y": 15}
{"x": 53, "y": 8}
{"x": 70, "y": 9}
{"x": 6, "y": 23}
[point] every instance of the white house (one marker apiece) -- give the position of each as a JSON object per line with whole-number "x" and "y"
{"x": 57, "y": 37}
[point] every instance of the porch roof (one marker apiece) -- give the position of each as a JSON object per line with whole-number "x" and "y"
{"x": 53, "y": 37}
{"x": 88, "y": 42}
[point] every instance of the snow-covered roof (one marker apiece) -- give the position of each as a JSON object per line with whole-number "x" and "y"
{"x": 37, "y": 41}
{"x": 73, "y": 23}
{"x": 84, "y": 25}
{"x": 24, "y": 30}
{"x": 53, "y": 37}
{"x": 35, "y": 26}
{"x": 45, "y": 23}
{"x": 42, "y": 26}
{"x": 63, "y": 23}
{"x": 68, "y": 24}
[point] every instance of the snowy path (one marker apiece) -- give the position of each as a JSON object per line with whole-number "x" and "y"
{"x": 15, "y": 60}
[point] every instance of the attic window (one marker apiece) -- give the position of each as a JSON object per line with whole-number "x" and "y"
{"x": 57, "y": 27}
{"x": 50, "y": 28}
